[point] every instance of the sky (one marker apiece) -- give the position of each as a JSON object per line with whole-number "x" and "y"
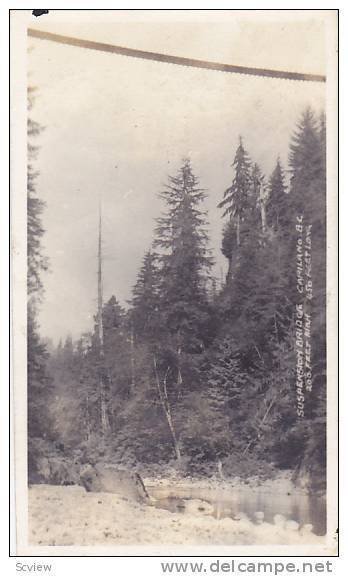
{"x": 116, "y": 127}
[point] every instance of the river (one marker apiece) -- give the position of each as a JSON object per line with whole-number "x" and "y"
{"x": 297, "y": 506}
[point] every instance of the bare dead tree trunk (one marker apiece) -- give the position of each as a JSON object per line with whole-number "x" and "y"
{"x": 229, "y": 270}
{"x": 105, "y": 425}
{"x": 88, "y": 420}
{"x": 163, "y": 396}
{"x": 103, "y": 409}
{"x": 262, "y": 201}
{"x": 132, "y": 360}
{"x": 261, "y": 423}
{"x": 273, "y": 400}
{"x": 110, "y": 410}
{"x": 179, "y": 381}
{"x": 263, "y": 217}
{"x": 104, "y": 416}
{"x": 238, "y": 230}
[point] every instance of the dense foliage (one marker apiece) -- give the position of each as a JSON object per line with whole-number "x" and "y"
{"x": 206, "y": 379}
{"x": 38, "y": 379}
{"x": 40, "y": 427}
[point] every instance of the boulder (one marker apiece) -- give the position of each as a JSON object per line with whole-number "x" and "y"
{"x": 291, "y": 526}
{"x": 199, "y": 507}
{"x": 307, "y": 529}
{"x": 107, "y": 478}
{"x": 259, "y": 517}
{"x": 62, "y": 473}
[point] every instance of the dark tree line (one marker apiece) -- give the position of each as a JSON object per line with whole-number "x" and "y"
{"x": 197, "y": 375}
{"x": 39, "y": 389}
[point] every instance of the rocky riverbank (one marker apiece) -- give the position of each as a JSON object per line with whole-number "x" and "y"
{"x": 69, "y": 516}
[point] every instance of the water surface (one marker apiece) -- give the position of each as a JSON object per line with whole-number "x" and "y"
{"x": 303, "y": 508}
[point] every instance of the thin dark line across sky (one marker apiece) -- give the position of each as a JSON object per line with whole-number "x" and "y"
{"x": 178, "y": 60}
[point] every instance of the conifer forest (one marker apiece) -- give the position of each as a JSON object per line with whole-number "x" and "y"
{"x": 196, "y": 373}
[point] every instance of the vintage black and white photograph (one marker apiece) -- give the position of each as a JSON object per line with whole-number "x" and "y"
{"x": 173, "y": 335}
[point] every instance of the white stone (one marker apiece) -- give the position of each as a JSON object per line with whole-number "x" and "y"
{"x": 291, "y": 525}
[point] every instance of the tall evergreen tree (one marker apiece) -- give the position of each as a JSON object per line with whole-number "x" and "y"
{"x": 38, "y": 380}
{"x": 308, "y": 198}
{"x": 117, "y": 359}
{"x": 144, "y": 313}
{"x": 185, "y": 261}
{"x": 236, "y": 198}
{"x": 277, "y": 216}
{"x": 37, "y": 262}
{"x": 306, "y": 166}
{"x": 240, "y": 205}
{"x": 258, "y": 198}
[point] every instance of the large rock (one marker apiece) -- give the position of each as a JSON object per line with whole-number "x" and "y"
{"x": 198, "y": 507}
{"x": 53, "y": 470}
{"x": 107, "y": 478}
{"x": 62, "y": 472}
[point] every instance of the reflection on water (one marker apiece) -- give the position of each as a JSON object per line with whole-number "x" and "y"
{"x": 302, "y": 508}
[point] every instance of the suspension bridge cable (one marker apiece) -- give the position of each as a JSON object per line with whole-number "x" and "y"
{"x": 178, "y": 60}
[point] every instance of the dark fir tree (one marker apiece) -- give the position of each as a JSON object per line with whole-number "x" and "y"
{"x": 236, "y": 198}
{"x": 185, "y": 262}
{"x": 243, "y": 235}
{"x": 277, "y": 216}
{"x": 257, "y": 200}
{"x": 38, "y": 381}
{"x": 308, "y": 199}
{"x": 144, "y": 312}
{"x": 305, "y": 162}
{"x": 118, "y": 350}
{"x": 184, "y": 304}
{"x": 37, "y": 262}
